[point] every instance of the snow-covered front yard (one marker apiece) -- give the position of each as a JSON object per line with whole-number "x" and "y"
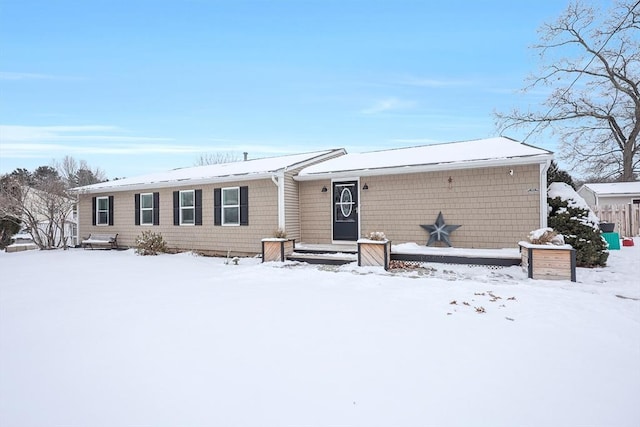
{"x": 109, "y": 338}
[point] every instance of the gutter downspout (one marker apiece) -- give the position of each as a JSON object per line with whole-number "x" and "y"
{"x": 278, "y": 180}
{"x": 77, "y": 218}
{"x": 544, "y": 167}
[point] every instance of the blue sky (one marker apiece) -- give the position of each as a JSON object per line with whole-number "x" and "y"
{"x": 140, "y": 86}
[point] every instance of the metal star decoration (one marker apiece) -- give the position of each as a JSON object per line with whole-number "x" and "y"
{"x": 439, "y": 232}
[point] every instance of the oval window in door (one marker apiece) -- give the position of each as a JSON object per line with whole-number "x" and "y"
{"x": 346, "y": 202}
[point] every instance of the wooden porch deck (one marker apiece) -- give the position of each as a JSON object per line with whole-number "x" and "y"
{"x": 337, "y": 254}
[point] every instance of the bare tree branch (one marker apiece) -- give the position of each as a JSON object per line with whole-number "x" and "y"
{"x": 598, "y": 121}
{"x": 217, "y": 158}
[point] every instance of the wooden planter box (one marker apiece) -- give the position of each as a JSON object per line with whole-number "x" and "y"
{"x": 548, "y": 262}
{"x": 375, "y": 253}
{"x": 277, "y": 249}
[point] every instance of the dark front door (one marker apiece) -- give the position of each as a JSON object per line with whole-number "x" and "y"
{"x": 345, "y": 210}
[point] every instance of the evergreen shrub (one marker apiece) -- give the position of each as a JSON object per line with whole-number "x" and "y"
{"x": 570, "y": 216}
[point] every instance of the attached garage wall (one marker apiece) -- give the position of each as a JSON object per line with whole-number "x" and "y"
{"x": 494, "y": 208}
{"x": 207, "y": 238}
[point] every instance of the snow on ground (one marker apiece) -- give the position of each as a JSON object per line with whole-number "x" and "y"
{"x": 109, "y": 338}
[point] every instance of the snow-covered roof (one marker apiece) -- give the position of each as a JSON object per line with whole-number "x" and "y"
{"x": 614, "y": 188}
{"x": 223, "y": 172}
{"x": 455, "y": 155}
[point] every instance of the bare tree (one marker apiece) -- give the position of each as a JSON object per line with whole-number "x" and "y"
{"x": 10, "y": 222}
{"x": 591, "y": 61}
{"x": 67, "y": 168}
{"x": 44, "y": 207}
{"x": 217, "y": 158}
{"x": 77, "y": 174}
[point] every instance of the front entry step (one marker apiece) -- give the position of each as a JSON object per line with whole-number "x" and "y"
{"x": 323, "y": 258}
{"x": 325, "y": 254}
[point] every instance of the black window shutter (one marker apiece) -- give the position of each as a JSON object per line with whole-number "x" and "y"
{"x": 93, "y": 209}
{"x": 110, "y": 210}
{"x": 198, "y": 207}
{"x": 217, "y": 206}
{"x": 156, "y": 208}
{"x": 244, "y": 205}
{"x": 136, "y": 202}
{"x": 176, "y": 208}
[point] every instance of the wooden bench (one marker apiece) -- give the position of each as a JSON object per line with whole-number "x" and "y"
{"x": 101, "y": 240}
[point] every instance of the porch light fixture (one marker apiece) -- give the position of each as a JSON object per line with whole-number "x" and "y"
{"x": 365, "y": 187}
{"x": 324, "y": 189}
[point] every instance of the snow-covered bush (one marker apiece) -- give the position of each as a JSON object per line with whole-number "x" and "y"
{"x": 377, "y": 235}
{"x": 150, "y": 243}
{"x": 280, "y": 233}
{"x": 570, "y": 216}
{"x": 546, "y": 236}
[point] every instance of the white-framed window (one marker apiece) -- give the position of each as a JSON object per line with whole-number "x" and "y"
{"x": 146, "y": 209}
{"x": 187, "y": 207}
{"x": 231, "y": 206}
{"x": 102, "y": 210}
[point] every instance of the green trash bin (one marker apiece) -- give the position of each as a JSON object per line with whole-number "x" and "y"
{"x": 613, "y": 239}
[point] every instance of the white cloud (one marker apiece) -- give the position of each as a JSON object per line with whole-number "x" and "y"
{"x": 50, "y": 141}
{"x": 11, "y": 133}
{"x": 8, "y": 75}
{"x": 433, "y": 83}
{"x": 388, "y": 104}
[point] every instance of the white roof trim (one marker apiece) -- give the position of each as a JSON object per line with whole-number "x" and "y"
{"x": 191, "y": 182}
{"x": 447, "y": 156}
{"x": 228, "y": 172}
{"x": 398, "y": 170}
{"x": 613, "y": 189}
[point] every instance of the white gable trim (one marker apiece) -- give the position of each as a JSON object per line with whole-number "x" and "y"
{"x": 231, "y": 172}
{"x": 174, "y": 183}
{"x": 397, "y": 170}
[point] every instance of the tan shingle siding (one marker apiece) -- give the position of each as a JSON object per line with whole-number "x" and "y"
{"x": 315, "y": 211}
{"x": 263, "y": 220}
{"x": 292, "y": 206}
{"x": 292, "y": 200}
{"x": 494, "y": 208}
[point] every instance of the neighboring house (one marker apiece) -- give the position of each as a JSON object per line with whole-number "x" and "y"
{"x": 495, "y": 189}
{"x": 36, "y": 213}
{"x": 614, "y": 193}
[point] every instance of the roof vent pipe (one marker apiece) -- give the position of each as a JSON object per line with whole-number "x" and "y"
{"x": 245, "y": 155}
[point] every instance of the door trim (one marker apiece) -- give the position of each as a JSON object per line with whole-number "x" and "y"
{"x": 357, "y": 180}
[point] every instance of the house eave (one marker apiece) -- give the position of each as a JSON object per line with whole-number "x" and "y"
{"x": 191, "y": 182}
{"x": 400, "y": 170}
{"x": 612, "y": 195}
{"x": 332, "y": 153}
{"x": 115, "y": 186}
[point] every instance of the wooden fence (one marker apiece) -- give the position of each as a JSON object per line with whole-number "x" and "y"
{"x": 625, "y": 217}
